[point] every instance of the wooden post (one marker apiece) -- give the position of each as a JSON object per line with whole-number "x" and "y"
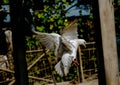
{"x": 107, "y": 24}
{"x": 81, "y": 65}
{"x": 18, "y": 29}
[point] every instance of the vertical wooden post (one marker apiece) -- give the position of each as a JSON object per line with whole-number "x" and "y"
{"x": 107, "y": 24}
{"x": 81, "y": 65}
{"x": 18, "y": 29}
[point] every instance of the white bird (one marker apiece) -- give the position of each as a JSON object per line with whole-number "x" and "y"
{"x": 64, "y": 46}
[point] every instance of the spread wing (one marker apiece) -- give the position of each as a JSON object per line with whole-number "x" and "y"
{"x": 70, "y": 32}
{"x": 50, "y": 41}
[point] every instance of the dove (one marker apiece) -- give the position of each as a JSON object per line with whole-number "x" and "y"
{"x": 64, "y": 46}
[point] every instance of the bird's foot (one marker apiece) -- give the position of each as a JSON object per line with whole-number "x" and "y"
{"x": 75, "y": 62}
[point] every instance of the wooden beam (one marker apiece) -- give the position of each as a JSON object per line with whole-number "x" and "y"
{"x": 18, "y": 26}
{"x": 36, "y": 60}
{"x": 107, "y": 24}
{"x": 81, "y": 65}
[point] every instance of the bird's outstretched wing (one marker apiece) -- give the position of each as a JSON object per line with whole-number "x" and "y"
{"x": 50, "y": 41}
{"x": 70, "y": 32}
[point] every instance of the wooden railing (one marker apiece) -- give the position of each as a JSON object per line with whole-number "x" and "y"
{"x": 86, "y": 55}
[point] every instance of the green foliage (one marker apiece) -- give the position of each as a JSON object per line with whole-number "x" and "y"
{"x": 52, "y": 16}
{"x": 86, "y": 28}
{"x": 31, "y": 42}
{"x": 5, "y": 1}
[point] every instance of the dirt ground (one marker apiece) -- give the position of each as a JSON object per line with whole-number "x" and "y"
{"x": 92, "y": 82}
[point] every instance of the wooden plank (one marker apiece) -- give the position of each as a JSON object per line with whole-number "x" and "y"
{"x": 29, "y": 67}
{"x": 106, "y": 10}
{"x": 81, "y": 65}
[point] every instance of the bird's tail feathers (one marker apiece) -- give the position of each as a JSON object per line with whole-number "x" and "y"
{"x": 66, "y": 71}
{"x": 58, "y": 69}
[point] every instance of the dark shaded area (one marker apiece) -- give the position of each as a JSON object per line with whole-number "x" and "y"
{"x": 3, "y": 44}
{"x": 98, "y": 39}
{"x": 20, "y": 23}
{"x": 118, "y": 51}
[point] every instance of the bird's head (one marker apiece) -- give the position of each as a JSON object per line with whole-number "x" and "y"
{"x": 82, "y": 42}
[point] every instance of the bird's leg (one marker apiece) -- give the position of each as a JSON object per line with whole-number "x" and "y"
{"x": 75, "y": 62}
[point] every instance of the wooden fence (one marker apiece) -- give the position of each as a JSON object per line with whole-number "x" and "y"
{"x": 41, "y": 67}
